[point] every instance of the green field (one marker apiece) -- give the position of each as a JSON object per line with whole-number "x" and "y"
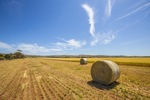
{"x": 57, "y": 79}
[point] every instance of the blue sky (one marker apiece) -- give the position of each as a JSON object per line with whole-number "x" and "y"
{"x": 96, "y": 27}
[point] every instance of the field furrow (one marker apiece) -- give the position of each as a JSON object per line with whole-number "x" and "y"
{"x": 12, "y": 88}
{"x": 79, "y": 88}
{"x": 40, "y": 79}
{"x": 52, "y": 85}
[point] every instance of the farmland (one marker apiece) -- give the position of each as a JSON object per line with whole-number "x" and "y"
{"x": 121, "y": 61}
{"x": 57, "y": 79}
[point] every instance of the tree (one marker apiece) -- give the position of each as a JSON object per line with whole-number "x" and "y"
{"x": 9, "y": 56}
{"x": 19, "y": 50}
{"x": 18, "y": 54}
{"x": 1, "y": 57}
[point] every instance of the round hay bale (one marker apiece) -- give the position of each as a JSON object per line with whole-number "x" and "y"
{"x": 105, "y": 72}
{"x": 83, "y": 61}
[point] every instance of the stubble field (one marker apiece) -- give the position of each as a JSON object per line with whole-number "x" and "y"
{"x": 49, "y": 79}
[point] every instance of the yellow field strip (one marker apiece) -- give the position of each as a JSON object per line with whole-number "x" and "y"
{"x": 145, "y": 62}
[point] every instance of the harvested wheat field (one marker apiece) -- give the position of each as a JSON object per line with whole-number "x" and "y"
{"x": 46, "y": 79}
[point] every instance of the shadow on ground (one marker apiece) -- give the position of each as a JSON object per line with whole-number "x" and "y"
{"x": 103, "y": 87}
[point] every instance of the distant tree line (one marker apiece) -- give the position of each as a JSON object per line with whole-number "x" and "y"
{"x": 17, "y": 55}
{"x": 94, "y": 56}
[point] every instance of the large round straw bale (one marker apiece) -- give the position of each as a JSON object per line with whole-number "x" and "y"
{"x": 83, "y": 61}
{"x": 105, "y": 72}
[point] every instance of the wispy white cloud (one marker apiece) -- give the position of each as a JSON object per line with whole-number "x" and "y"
{"x": 90, "y": 12}
{"x": 7, "y": 48}
{"x": 104, "y": 38}
{"x": 76, "y": 44}
{"x": 35, "y": 49}
{"x": 108, "y": 8}
{"x": 56, "y": 49}
{"x": 26, "y": 48}
{"x": 5, "y": 45}
{"x": 95, "y": 41}
{"x": 32, "y": 48}
{"x": 142, "y": 7}
{"x": 135, "y": 5}
{"x": 68, "y": 45}
{"x": 108, "y": 37}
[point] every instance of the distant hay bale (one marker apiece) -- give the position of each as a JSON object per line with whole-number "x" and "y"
{"x": 83, "y": 61}
{"x": 105, "y": 72}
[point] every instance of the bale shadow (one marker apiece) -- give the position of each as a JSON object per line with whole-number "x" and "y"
{"x": 103, "y": 87}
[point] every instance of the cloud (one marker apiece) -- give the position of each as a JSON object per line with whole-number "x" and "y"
{"x": 6, "y": 48}
{"x": 56, "y": 49}
{"x": 68, "y": 45}
{"x": 95, "y": 41}
{"x": 108, "y": 8}
{"x": 5, "y": 45}
{"x": 32, "y": 48}
{"x": 90, "y": 12}
{"x": 26, "y": 48}
{"x": 104, "y": 38}
{"x": 76, "y": 44}
{"x": 134, "y": 11}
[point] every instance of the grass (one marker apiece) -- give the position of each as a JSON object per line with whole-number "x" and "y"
{"x": 55, "y": 80}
